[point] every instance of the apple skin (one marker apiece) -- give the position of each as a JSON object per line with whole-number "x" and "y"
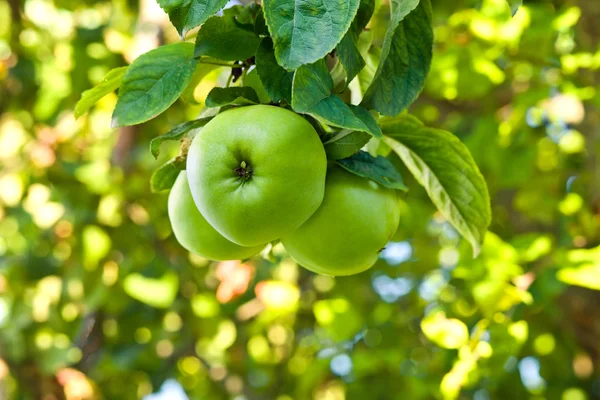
{"x": 257, "y": 173}
{"x": 353, "y": 224}
{"x": 194, "y": 233}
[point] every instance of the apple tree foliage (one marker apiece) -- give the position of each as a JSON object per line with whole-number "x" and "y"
{"x": 484, "y": 113}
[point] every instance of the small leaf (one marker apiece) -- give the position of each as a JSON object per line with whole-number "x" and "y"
{"x": 152, "y": 83}
{"x": 405, "y": 58}
{"x": 237, "y": 96}
{"x": 345, "y": 144}
{"x": 378, "y": 169}
{"x": 443, "y": 165}
{"x": 176, "y": 133}
{"x": 276, "y": 80}
{"x": 312, "y": 93}
{"x": 514, "y": 6}
{"x": 164, "y": 177}
{"x": 305, "y": 31}
{"x": 188, "y": 14}
{"x": 223, "y": 38}
{"x": 110, "y": 83}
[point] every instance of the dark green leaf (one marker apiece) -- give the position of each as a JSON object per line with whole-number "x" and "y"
{"x": 363, "y": 15}
{"x": 345, "y": 144}
{"x": 514, "y": 6}
{"x": 312, "y": 94}
{"x": 176, "y": 133}
{"x": 443, "y": 165}
{"x": 405, "y": 58}
{"x": 188, "y": 14}
{"x": 350, "y": 57}
{"x": 153, "y": 82}
{"x": 347, "y": 49}
{"x": 276, "y": 80}
{"x": 110, "y": 83}
{"x": 164, "y": 177}
{"x": 260, "y": 25}
{"x": 378, "y": 169}
{"x": 304, "y": 31}
{"x": 238, "y": 96}
{"x": 223, "y": 38}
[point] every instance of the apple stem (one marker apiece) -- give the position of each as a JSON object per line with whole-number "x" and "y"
{"x": 244, "y": 171}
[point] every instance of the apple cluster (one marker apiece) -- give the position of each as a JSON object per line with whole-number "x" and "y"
{"x": 260, "y": 173}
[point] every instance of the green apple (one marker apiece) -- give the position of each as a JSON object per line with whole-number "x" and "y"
{"x": 257, "y": 173}
{"x": 353, "y": 224}
{"x": 195, "y": 233}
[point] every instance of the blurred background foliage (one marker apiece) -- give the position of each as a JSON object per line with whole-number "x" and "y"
{"x": 98, "y": 301}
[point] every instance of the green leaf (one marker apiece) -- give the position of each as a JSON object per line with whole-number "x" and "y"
{"x": 345, "y": 144}
{"x": 159, "y": 293}
{"x": 108, "y": 84}
{"x": 253, "y": 81}
{"x": 276, "y": 80}
{"x": 367, "y": 74}
{"x": 443, "y": 165}
{"x": 312, "y": 93}
{"x": 449, "y": 333}
{"x": 514, "y": 6}
{"x": 363, "y": 15}
{"x": 164, "y": 177}
{"x": 583, "y": 268}
{"x": 237, "y": 96}
{"x": 223, "y": 38}
{"x": 153, "y": 82}
{"x": 378, "y": 169}
{"x": 350, "y": 57}
{"x": 176, "y": 134}
{"x": 201, "y": 71}
{"x": 304, "y": 31}
{"x": 188, "y": 14}
{"x": 347, "y": 50}
{"x": 405, "y": 58}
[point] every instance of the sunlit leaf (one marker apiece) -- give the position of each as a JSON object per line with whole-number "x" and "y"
{"x": 108, "y": 84}
{"x": 442, "y": 164}
{"x": 153, "y": 82}
{"x": 449, "y": 333}
{"x": 188, "y": 14}
{"x": 159, "y": 293}
{"x": 305, "y": 31}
